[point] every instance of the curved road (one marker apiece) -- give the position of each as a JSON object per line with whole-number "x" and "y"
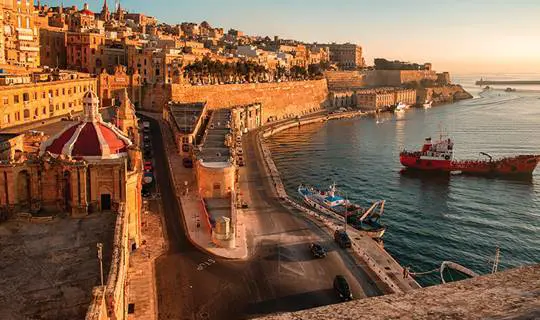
{"x": 280, "y": 274}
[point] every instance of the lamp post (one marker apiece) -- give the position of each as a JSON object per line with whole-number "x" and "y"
{"x": 186, "y": 185}
{"x": 100, "y": 257}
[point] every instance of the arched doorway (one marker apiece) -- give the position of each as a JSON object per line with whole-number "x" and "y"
{"x": 23, "y": 189}
{"x": 66, "y": 184}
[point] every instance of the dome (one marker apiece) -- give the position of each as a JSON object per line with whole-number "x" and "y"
{"x": 90, "y": 139}
{"x": 86, "y": 11}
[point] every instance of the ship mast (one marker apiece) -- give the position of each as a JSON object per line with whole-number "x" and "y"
{"x": 496, "y": 260}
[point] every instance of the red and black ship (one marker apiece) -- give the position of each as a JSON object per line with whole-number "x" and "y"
{"x": 439, "y": 156}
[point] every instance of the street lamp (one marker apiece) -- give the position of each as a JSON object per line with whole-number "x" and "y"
{"x": 186, "y": 185}
{"x": 100, "y": 257}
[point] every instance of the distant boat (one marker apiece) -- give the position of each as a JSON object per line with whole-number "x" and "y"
{"x": 428, "y": 104}
{"x": 400, "y": 107}
{"x": 510, "y": 89}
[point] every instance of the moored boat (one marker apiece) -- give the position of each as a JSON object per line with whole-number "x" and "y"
{"x": 334, "y": 205}
{"x": 439, "y": 156}
{"x": 400, "y": 107}
{"x": 427, "y": 104}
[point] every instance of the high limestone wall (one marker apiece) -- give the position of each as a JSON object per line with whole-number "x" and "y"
{"x": 396, "y": 78}
{"x": 279, "y": 100}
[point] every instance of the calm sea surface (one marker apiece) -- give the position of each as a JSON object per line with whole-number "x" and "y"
{"x": 430, "y": 219}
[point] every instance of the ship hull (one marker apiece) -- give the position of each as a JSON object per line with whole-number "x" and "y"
{"x": 515, "y": 166}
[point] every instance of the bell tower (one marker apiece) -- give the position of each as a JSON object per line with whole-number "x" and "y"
{"x": 126, "y": 120}
{"x": 105, "y": 14}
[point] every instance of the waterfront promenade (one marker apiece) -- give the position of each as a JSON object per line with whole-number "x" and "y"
{"x": 383, "y": 268}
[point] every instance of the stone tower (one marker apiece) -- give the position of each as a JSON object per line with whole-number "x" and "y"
{"x": 105, "y": 14}
{"x": 126, "y": 120}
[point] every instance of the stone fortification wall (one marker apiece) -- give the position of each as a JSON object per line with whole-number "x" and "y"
{"x": 443, "y": 94}
{"x": 111, "y": 302}
{"x": 279, "y": 100}
{"x": 344, "y": 80}
{"x": 511, "y": 294}
{"x": 398, "y": 77}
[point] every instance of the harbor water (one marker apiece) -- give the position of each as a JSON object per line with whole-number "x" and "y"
{"x": 432, "y": 219}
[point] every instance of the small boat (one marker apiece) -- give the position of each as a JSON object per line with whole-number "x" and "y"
{"x": 438, "y": 156}
{"x": 330, "y": 203}
{"x": 427, "y": 104}
{"x": 400, "y": 107}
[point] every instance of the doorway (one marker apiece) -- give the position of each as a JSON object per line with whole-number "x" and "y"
{"x": 105, "y": 202}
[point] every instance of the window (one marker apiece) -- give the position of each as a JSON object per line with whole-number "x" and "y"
{"x": 64, "y": 91}
{"x": 185, "y": 147}
{"x": 26, "y": 114}
{"x": 5, "y": 100}
{"x": 56, "y": 93}
{"x": 57, "y": 107}
{"x": 6, "y": 118}
{"x": 185, "y": 139}
{"x": 26, "y": 96}
{"x": 44, "y": 110}
{"x": 17, "y": 116}
{"x": 43, "y": 95}
{"x": 63, "y": 106}
{"x": 36, "y": 113}
{"x": 35, "y": 95}
{"x": 16, "y": 98}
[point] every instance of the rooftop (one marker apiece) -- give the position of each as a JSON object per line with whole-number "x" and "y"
{"x": 50, "y": 268}
{"x": 186, "y": 115}
{"x": 213, "y": 147}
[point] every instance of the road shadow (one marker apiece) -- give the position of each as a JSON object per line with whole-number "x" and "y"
{"x": 295, "y": 252}
{"x": 296, "y": 302}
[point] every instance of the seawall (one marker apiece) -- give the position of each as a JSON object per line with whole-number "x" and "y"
{"x": 279, "y": 100}
{"x": 384, "y": 270}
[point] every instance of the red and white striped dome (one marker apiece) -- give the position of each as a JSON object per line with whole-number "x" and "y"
{"x": 90, "y": 139}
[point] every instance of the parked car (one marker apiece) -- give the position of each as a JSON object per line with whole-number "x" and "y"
{"x": 342, "y": 288}
{"x": 317, "y": 250}
{"x": 342, "y": 238}
{"x": 145, "y": 192}
{"x": 187, "y": 162}
{"x": 240, "y": 161}
{"x": 239, "y": 151}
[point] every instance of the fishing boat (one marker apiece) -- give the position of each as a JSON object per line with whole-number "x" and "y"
{"x": 330, "y": 203}
{"x": 439, "y": 156}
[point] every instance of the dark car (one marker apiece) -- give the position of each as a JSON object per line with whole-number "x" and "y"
{"x": 317, "y": 250}
{"x": 342, "y": 288}
{"x": 188, "y": 163}
{"x": 342, "y": 238}
{"x": 145, "y": 192}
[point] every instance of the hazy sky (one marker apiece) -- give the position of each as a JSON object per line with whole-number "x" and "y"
{"x": 465, "y": 36}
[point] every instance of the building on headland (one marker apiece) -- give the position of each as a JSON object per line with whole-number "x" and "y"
{"x": 373, "y": 99}
{"x": 52, "y": 94}
{"x": 186, "y": 123}
{"x": 347, "y": 56}
{"x": 20, "y": 35}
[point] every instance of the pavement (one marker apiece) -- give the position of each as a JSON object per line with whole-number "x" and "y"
{"x": 279, "y": 274}
{"x": 141, "y": 273}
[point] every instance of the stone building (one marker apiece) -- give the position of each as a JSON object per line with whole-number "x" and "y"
{"x": 52, "y": 47}
{"x": 346, "y": 56}
{"x": 111, "y": 86}
{"x": 246, "y": 118}
{"x": 84, "y": 50}
{"x": 373, "y": 99}
{"x": 43, "y": 100}
{"x": 88, "y": 167}
{"x": 20, "y": 41}
{"x": 186, "y": 123}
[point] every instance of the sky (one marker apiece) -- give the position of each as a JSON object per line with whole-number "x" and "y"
{"x": 460, "y": 36}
